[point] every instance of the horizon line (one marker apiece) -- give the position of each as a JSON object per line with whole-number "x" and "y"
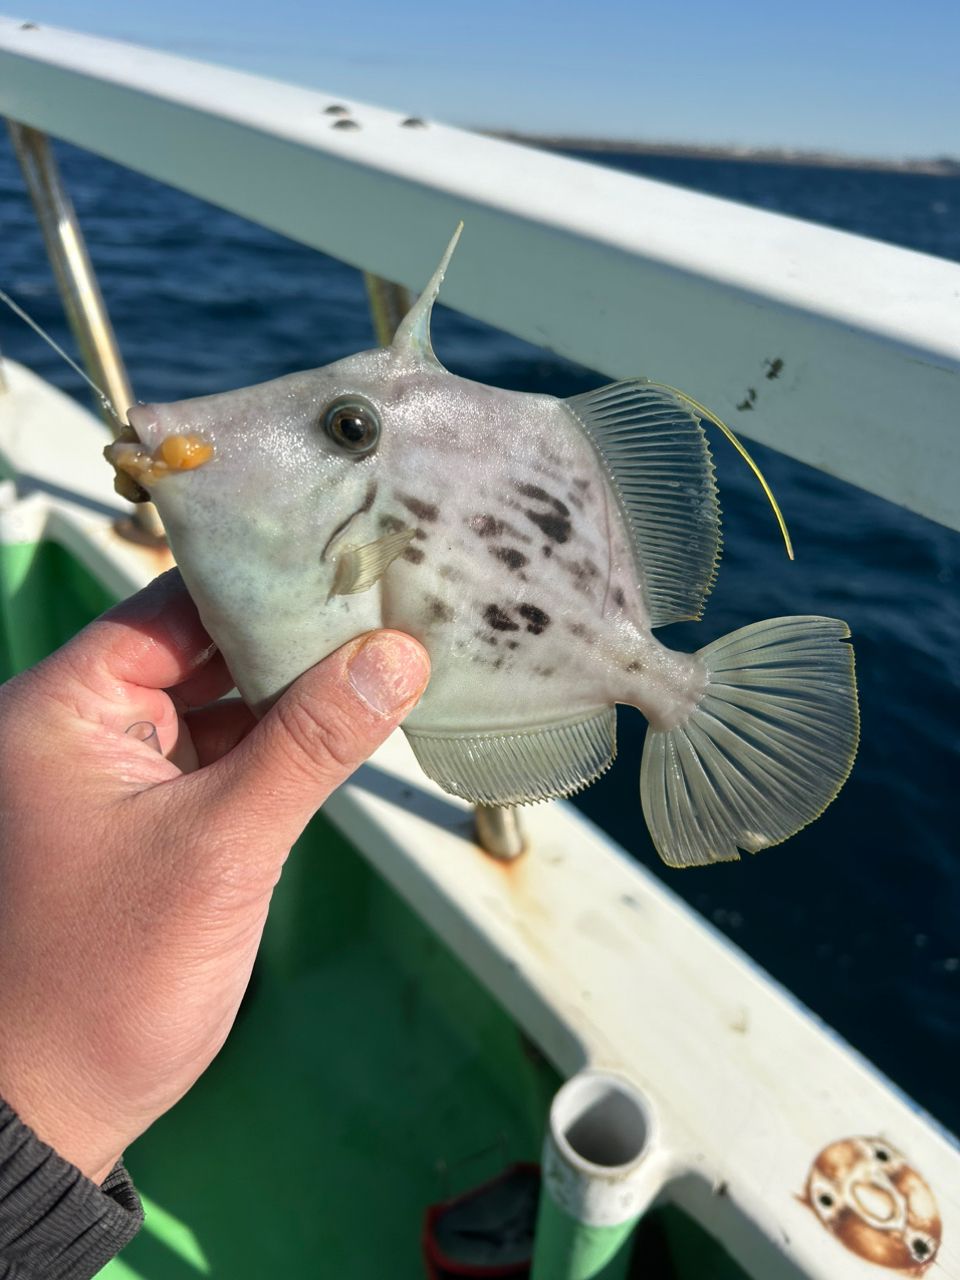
{"x": 936, "y": 165}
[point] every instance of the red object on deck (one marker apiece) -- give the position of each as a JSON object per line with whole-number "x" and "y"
{"x": 486, "y": 1232}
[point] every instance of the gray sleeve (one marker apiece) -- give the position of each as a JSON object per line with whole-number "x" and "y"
{"x": 54, "y": 1222}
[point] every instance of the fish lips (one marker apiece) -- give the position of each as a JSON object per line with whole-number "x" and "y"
{"x": 145, "y": 421}
{"x": 144, "y": 452}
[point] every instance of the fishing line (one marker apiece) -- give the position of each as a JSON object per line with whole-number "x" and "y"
{"x": 741, "y": 449}
{"x": 101, "y": 394}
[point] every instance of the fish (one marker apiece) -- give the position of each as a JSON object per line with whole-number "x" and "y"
{"x": 533, "y": 545}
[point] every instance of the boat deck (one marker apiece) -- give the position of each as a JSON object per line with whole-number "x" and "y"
{"x": 368, "y": 1075}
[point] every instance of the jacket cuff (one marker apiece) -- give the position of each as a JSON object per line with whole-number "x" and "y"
{"x": 54, "y": 1222}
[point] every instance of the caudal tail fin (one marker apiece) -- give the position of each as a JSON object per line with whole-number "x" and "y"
{"x": 766, "y": 749}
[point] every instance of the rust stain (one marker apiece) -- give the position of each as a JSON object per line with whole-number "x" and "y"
{"x": 740, "y": 1021}
{"x": 513, "y": 870}
{"x": 521, "y": 882}
{"x": 863, "y": 1191}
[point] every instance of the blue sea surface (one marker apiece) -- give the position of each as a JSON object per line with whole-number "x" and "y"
{"x": 859, "y": 915}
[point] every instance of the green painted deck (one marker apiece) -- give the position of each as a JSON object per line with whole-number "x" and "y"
{"x": 364, "y": 1060}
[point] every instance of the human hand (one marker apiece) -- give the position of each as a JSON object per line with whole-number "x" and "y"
{"x": 134, "y": 886}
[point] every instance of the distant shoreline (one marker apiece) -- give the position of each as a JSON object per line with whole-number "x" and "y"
{"x": 935, "y": 166}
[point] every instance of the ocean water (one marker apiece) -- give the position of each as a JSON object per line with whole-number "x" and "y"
{"x": 859, "y": 915}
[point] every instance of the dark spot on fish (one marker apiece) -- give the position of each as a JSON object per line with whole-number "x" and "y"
{"x": 414, "y": 555}
{"x": 438, "y": 610}
{"x": 577, "y": 502}
{"x": 774, "y": 367}
{"x": 547, "y": 550}
{"x": 499, "y": 620}
{"x": 449, "y": 572}
{"x": 365, "y": 505}
{"x": 344, "y": 123}
{"x": 391, "y": 524}
{"x": 336, "y": 109}
{"x": 583, "y": 573}
{"x": 582, "y": 485}
{"x": 619, "y": 599}
{"x": 633, "y": 668}
{"x": 581, "y": 632}
{"x": 584, "y": 570}
{"x": 486, "y": 526}
{"x": 499, "y": 663}
{"x": 420, "y": 534}
{"x": 513, "y": 644}
{"x": 422, "y": 510}
{"x": 512, "y": 558}
{"x": 413, "y": 122}
{"x": 557, "y": 528}
{"x": 747, "y": 401}
{"x": 540, "y": 495}
{"x": 546, "y": 672}
{"x": 537, "y": 621}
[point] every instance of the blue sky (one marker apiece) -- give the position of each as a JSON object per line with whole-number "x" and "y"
{"x": 878, "y": 78}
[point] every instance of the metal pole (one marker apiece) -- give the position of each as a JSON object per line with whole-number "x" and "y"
{"x": 497, "y": 829}
{"x": 389, "y": 303}
{"x": 82, "y": 300}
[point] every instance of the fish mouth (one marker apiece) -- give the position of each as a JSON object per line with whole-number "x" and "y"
{"x": 142, "y": 454}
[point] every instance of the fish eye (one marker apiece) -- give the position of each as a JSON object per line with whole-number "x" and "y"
{"x": 353, "y": 424}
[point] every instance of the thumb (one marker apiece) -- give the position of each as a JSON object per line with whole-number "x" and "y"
{"x": 326, "y": 724}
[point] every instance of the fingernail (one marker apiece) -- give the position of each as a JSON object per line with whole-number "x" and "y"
{"x": 387, "y": 671}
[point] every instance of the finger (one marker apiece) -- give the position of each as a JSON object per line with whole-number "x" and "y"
{"x": 216, "y": 730}
{"x": 153, "y": 640}
{"x": 205, "y": 685}
{"x": 324, "y": 726}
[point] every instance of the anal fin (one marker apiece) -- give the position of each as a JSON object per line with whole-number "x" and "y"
{"x": 519, "y": 766}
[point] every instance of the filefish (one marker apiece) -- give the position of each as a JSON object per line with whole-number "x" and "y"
{"x": 534, "y": 545}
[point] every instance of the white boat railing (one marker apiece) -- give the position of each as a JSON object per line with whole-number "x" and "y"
{"x": 625, "y": 275}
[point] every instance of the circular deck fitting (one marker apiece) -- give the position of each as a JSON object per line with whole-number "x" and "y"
{"x": 876, "y": 1204}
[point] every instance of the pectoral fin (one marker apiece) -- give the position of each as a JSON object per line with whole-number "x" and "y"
{"x": 358, "y": 568}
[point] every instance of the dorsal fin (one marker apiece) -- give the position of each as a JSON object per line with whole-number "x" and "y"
{"x": 413, "y": 334}
{"x": 659, "y": 464}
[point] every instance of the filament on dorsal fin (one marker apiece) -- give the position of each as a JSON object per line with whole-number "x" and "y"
{"x": 741, "y": 449}
{"x": 101, "y": 395}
